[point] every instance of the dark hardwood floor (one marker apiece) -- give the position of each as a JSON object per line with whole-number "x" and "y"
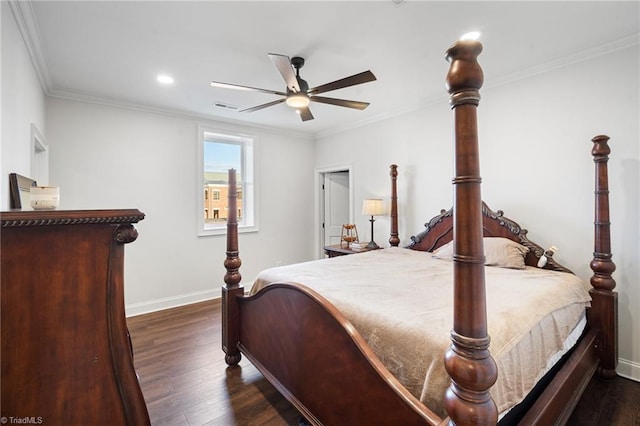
{"x": 185, "y": 380}
{"x": 609, "y": 402}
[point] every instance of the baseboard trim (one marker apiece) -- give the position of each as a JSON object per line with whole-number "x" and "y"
{"x": 170, "y": 302}
{"x": 629, "y": 369}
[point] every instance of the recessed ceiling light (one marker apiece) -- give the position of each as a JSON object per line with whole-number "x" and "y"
{"x": 165, "y": 79}
{"x": 473, "y": 35}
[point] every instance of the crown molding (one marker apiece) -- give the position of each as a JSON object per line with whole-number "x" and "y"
{"x": 190, "y": 115}
{"x": 26, "y": 23}
{"x": 408, "y": 108}
{"x": 584, "y": 55}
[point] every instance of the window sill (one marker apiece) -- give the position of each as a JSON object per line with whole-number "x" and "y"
{"x": 223, "y": 231}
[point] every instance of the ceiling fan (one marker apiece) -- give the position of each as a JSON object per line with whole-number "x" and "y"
{"x": 298, "y": 94}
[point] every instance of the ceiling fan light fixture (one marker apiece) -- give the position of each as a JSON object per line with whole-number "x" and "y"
{"x": 298, "y": 100}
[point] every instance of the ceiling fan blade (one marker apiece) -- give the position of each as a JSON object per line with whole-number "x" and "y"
{"x": 363, "y": 77}
{"x": 238, "y": 87}
{"x": 340, "y": 102}
{"x": 283, "y": 63}
{"x": 268, "y": 104}
{"x": 305, "y": 114}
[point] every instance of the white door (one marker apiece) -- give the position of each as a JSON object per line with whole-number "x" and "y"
{"x": 336, "y": 205}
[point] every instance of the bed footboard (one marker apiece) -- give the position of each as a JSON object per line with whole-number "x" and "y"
{"x": 320, "y": 363}
{"x": 317, "y": 359}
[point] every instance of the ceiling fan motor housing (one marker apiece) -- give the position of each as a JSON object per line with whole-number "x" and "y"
{"x": 297, "y": 62}
{"x": 304, "y": 86}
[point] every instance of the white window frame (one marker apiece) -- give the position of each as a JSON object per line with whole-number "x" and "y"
{"x": 249, "y": 222}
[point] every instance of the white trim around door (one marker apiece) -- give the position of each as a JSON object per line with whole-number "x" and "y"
{"x": 319, "y": 201}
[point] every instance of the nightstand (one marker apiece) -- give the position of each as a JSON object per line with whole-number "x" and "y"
{"x": 337, "y": 250}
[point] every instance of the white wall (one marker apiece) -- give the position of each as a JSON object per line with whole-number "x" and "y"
{"x": 535, "y": 142}
{"x": 22, "y": 104}
{"x": 110, "y": 157}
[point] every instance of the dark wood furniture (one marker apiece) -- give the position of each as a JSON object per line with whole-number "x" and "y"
{"x": 310, "y": 352}
{"x": 66, "y": 354}
{"x": 339, "y": 250}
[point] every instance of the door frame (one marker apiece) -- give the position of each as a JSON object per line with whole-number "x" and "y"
{"x": 319, "y": 201}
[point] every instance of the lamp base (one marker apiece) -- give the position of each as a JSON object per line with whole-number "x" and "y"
{"x": 372, "y": 244}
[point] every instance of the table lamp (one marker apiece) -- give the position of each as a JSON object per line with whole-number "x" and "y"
{"x": 372, "y": 207}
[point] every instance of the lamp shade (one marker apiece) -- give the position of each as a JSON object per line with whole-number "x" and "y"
{"x": 372, "y": 207}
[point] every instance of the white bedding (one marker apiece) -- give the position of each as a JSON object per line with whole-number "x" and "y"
{"x": 400, "y": 301}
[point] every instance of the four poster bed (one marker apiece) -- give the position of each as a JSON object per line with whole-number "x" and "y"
{"x": 359, "y": 339}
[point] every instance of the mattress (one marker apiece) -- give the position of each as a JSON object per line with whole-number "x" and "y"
{"x": 400, "y": 301}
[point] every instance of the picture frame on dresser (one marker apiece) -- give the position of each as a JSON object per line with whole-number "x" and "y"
{"x": 19, "y": 189}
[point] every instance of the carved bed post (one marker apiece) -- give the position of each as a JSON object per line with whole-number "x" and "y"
{"x": 604, "y": 305}
{"x": 232, "y": 288}
{"x": 468, "y": 361}
{"x": 394, "y": 240}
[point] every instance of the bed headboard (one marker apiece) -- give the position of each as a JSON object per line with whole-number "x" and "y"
{"x": 439, "y": 231}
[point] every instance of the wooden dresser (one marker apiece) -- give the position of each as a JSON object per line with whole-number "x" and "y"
{"x": 66, "y": 353}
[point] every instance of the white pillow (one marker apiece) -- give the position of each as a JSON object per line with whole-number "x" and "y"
{"x": 498, "y": 251}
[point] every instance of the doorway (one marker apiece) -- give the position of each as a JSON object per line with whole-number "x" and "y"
{"x": 335, "y": 188}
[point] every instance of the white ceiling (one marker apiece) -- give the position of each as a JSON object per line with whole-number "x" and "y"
{"x": 111, "y": 51}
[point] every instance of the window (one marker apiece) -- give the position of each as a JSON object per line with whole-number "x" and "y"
{"x": 218, "y": 152}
